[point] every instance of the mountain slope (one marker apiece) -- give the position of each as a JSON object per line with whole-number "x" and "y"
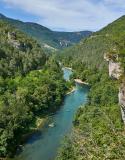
{"x": 91, "y": 50}
{"x": 19, "y": 54}
{"x": 98, "y": 131}
{"x": 47, "y": 36}
{"x": 31, "y": 87}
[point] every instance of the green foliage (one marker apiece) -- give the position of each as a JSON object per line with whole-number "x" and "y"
{"x": 24, "y": 98}
{"x": 45, "y": 36}
{"x": 90, "y": 51}
{"x": 103, "y": 90}
{"x": 19, "y": 54}
{"x": 98, "y": 129}
{"x": 31, "y": 85}
{"x": 98, "y": 132}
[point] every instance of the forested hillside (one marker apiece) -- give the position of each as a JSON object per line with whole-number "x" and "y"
{"x": 90, "y": 52}
{"x": 31, "y": 87}
{"x": 98, "y": 131}
{"x": 18, "y": 53}
{"x": 46, "y": 37}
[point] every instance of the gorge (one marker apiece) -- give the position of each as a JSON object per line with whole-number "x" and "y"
{"x": 81, "y": 122}
{"x": 45, "y": 144}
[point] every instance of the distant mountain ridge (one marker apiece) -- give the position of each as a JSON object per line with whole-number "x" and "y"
{"x": 47, "y": 37}
{"x": 90, "y": 51}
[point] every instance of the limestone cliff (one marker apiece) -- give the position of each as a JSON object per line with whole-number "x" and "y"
{"x": 12, "y": 39}
{"x": 121, "y": 97}
{"x": 16, "y": 43}
{"x": 115, "y": 70}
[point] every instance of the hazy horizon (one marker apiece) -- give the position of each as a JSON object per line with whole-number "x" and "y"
{"x": 67, "y": 16}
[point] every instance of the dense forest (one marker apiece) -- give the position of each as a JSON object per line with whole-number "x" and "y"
{"x": 18, "y": 53}
{"x": 98, "y": 131}
{"x": 46, "y": 37}
{"x": 31, "y": 85}
{"x": 90, "y": 51}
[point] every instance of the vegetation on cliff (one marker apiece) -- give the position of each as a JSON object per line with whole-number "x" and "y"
{"x": 98, "y": 131}
{"x": 90, "y": 51}
{"x": 19, "y": 54}
{"x": 46, "y": 37}
{"x": 31, "y": 85}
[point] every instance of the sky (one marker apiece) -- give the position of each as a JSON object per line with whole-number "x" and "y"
{"x": 65, "y": 15}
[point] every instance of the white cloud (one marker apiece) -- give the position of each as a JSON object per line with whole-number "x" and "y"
{"x": 119, "y": 3}
{"x": 72, "y": 15}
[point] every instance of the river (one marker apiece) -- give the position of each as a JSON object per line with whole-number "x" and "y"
{"x": 44, "y": 144}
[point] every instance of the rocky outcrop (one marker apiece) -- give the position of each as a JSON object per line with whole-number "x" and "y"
{"x": 64, "y": 43}
{"x": 12, "y": 39}
{"x": 121, "y": 97}
{"x": 106, "y": 57}
{"x": 11, "y": 35}
{"x": 115, "y": 70}
{"x": 80, "y": 81}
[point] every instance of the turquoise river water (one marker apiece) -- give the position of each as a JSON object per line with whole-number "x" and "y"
{"x": 44, "y": 145}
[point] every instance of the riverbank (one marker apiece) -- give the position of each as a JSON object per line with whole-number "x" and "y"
{"x": 68, "y": 68}
{"x": 45, "y": 145}
{"x": 37, "y": 124}
{"x": 71, "y": 91}
{"x": 41, "y": 122}
{"x": 80, "y": 81}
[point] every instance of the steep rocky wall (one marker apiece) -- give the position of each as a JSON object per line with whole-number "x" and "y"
{"x": 121, "y": 97}
{"x": 114, "y": 69}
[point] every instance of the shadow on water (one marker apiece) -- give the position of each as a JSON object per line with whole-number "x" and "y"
{"x": 36, "y": 136}
{"x": 44, "y": 144}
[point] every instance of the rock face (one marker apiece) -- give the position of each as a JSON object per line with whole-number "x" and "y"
{"x": 12, "y": 39}
{"x": 106, "y": 57}
{"x": 64, "y": 43}
{"x": 121, "y": 96}
{"x": 115, "y": 70}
